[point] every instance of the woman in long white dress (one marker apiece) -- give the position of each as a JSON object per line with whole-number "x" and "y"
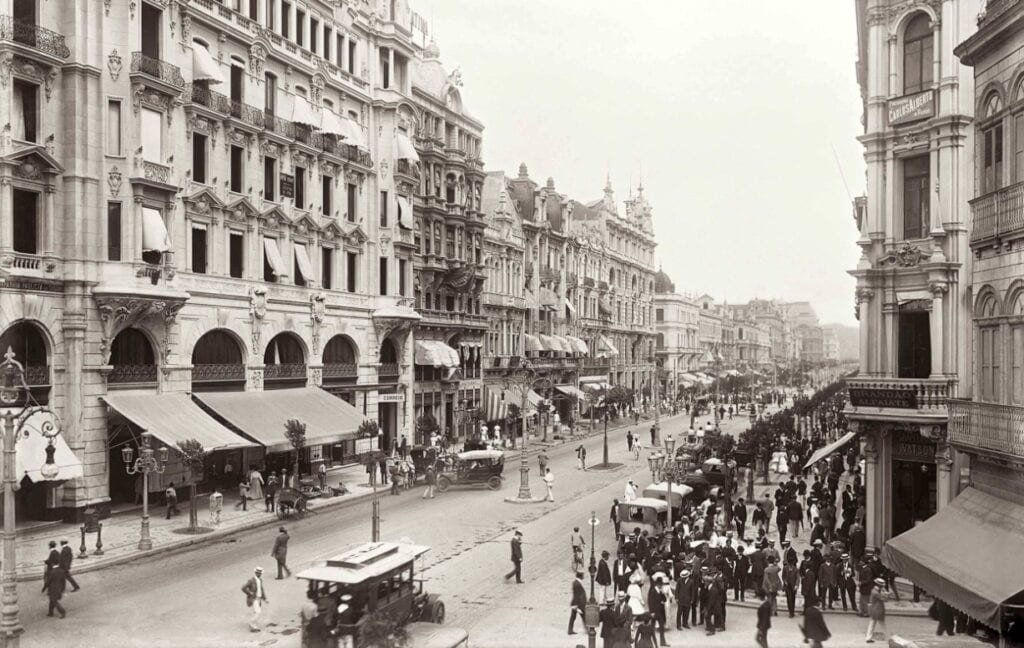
{"x": 255, "y": 485}
{"x": 629, "y": 493}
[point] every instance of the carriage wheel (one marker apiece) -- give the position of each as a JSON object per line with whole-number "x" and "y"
{"x": 437, "y": 614}
{"x": 281, "y": 512}
{"x": 443, "y": 484}
{"x": 494, "y": 483}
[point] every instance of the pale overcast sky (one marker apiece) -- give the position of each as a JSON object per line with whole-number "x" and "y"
{"x": 731, "y": 109}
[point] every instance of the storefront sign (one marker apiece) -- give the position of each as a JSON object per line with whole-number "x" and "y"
{"x": 908, "y": 445}
{"x": 391, "y": 398}
{"x": 911, "y": 108}
{"x": 287, "y": 186}
{"x": 896, "y": 398}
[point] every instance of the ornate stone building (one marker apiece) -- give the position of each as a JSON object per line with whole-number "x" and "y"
{"x": 215, "y": 197}
{"x": 913, "y": 274}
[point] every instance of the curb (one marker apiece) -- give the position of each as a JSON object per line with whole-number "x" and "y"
{"x": 898, "y": 612}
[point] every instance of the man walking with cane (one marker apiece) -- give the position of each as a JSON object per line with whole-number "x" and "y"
{"x": 280, "y": 552}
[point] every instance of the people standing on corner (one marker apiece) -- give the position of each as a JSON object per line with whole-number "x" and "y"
{"x": 270, "y": 493}
{"x": 255, "y": 598}
{"x": 67, "y": 556}
{"x": 613, "y": 518}
{"x": 280, "y": 552}
{"x": 431, "y": 480}
{"x": 739, "y": 516}
{"x": 773, "y": 583}
{"x": 255, "y": 483}
{"x": 517, "y": 557}
{"x": 549, "y": 482}
{"x": 604, "y": 575}
{"x": 790, "y": 583}
{"x": 52, "y": 560}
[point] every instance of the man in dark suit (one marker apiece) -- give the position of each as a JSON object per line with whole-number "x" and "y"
{"x": 609, "y": 620}
{"x": 684, "y": 599}
{"x": 578, "y": 602}
{"x": 858, "y": 542}
{"x": 280, "y": 552}
{"x": 656, "y": 600}
{"x": 517, "y": 557}
{"x": 52, "y": 560}
{"x": 66, "y": 556}
{"x": 55, "y": 585}
{"x": 604, "y": 575}
{"x": 624, "y": 620}
{"x": 764, "y": 622}
{"x": 739, "y": 516}
{"x": 621, "y": 573}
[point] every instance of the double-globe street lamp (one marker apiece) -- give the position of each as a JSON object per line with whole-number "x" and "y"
{"x": 148, "y": 461}
{"x": 18, "y": 407}
{"x": 523, "y": 377}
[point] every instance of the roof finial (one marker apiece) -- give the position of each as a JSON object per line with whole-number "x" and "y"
{"x": 640, "y": 187}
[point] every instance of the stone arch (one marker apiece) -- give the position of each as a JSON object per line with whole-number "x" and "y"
{"x": 225, "y": 336}
{"x": 992, "y": 100}
{"x": 194, "y": 330}
{"x": 341, "y": 348}
{"x": 898, "y": 27}
{"x": 288, "y": 343}
{"x": 1014, "y": 304}
{"x": 987, "y": 304}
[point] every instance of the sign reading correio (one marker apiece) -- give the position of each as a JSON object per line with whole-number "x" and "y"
{"x": 911, "y": 108}
{"x": 897, "y": 398}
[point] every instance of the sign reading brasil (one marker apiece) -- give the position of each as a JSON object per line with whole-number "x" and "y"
{"x": 912, "y": 107}
{"x": 898, "y": 398}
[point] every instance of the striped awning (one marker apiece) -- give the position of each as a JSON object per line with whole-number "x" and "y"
{"x": 495, "y": 407}
{"x": 533, "y": 343}
{"x": 564, "y": 344}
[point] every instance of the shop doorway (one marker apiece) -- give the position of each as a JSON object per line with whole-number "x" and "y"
{"x": 387, "y": 418}
{"x": 914, "y": 493}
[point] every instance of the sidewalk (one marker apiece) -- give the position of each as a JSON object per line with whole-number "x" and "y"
{"x": 120, "y": 534}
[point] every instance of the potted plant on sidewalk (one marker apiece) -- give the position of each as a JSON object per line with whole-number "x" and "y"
{"x": 193, "y": 455}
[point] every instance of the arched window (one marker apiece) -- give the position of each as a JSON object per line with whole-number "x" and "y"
{"x": 388, "y": 361}
{"x": 992, "y": 146}
{"x": 27, "y": 343}
{"x": 132, "y": 358}
{"x": 217, "y": 363}
{"x": 917, "y": 54}
{"x": 284, "y": 363}
{"x": 340, "y": 364}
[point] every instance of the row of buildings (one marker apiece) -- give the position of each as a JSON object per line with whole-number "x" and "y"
{"x": 939, "y": 402}
{"x": 695, "y": 334}
{"x": 213, "y": 214}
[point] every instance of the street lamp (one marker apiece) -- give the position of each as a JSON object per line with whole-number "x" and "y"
{"x": 523, "y": 377}
{"x": 592, "y": 614}
{"x": 14, "y": 390}
{"x": 147, "y": 462}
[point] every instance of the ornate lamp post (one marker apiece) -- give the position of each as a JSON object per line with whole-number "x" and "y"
{"x": 524, "y": 378}
{"x": 592, "y": 612}
{"x": 148, "y": 461}
{"x": 14, "y": 391}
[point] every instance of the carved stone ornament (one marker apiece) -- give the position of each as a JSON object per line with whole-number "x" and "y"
{"x": 29, "y": 169}
{"x": 6, "y": 64}
{"x": 186, "y": 29}
{"x": 906, "y": 256}
{"x": 257, "y": 59}
{"x": 118, "y": 312}
{"x": 316, "y": 374}
{"x": 114, "y": 64}
{"x": 938, "y": 289}
{"x": 864, "y": 294}
{"x": 256, "y": 379}
{"x": 257, "y": 311}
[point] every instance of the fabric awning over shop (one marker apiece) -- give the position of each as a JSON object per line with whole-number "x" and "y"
{"x": 154, "y": 231}
{"x": 274, "y": 256}
{"x": 593, "y": 386}
{"x": 204, "y": 67}
{"x": 568, "y": 304}
{"x": 262, "y": 415}
{"x": 331, "y": 123}
{"x": 495, "y": 409}
{"x": 302, "y": 260}
{"x": 534, "y": 398}
{"x": 531, "y": 299}
{"x": 826, "y": 450}
{"x": 571, "y": 390}
{"x": 356, "y": 137}
{"x": 175, "y": 417}
{"x": 603, "y": 307}
{"x": 564, "y": 343}
{"x": 533, "y": 343}
{"x": 433, "y": 353}
{"x": 303, "y": 112}
{"x": 30, "y": 453}
{"x": 404, "y": 148}
{"x": 578, "y": 345}
{"x": 609, "y": 348}
{"x": 689, "y": 376}
{"x": 732, "y": 372}
{"x": 548, "y": 343}
{"x": 548, "y": 298}
{"x": 405, "y": 213}
{"x": 967, "y": 554}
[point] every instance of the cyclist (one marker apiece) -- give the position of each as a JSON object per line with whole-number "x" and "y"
{"x": 578, "y": 543}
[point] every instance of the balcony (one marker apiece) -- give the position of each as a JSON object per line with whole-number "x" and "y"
{"x": 205, "y": 373}
{"x": 388, "y": 370}
{"x": 279, "y": 126}
{"x": 550, "y": 276}
{"x": 34, "y": 37}
{"x": 406, "y": 168}
{"x": 920, "y": 399}
{"x": 167, "y": 76}
{"x": 988, "y": 427}
{"x": 131, "y": 374}
{"x": 292, "y": 370}
{"x": 340, "y": 370}
{"x": 998, "y": 214}
{"x": 588, "y": 282}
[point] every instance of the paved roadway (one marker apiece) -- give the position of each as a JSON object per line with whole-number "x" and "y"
{"x": 193, "y": 598}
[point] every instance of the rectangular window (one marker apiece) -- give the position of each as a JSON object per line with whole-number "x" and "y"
{"x": 326, "y": 268}
{"x": 383, "y": 209}
{"x": 914, "y": 345}
{"x": 199, "y": 158}
{"x": 273, "y": 264}
{"x": 300, "y": 21}
{"x": 254, "y": 10}
{"x": 25, "y": 111}
{"x": 26, "y": 222}
{"x": 300, "y": 188}
{"x": 149, "y": 32}
{"x": 236, "y": 254}
{"x": 271, "y": 13}
{"x": 269, "y": 177}
{"x": 660, "y": 315}
{"x": 992, "y": 177}
{"x": 350, "y": 271}
{"x": 237, "y": 89}
{"x": 328, "y": 40}
{"x": 326, "y": 199}
{"x": 990, "y": 351}
{"x": 114, "y": 132}
{"x": 351, "y": 57}
{"x": 383, "y": 275}
{"x": 285, "y": 15}
{"x": 237, "y": 169}
{"x": 917, "y": 65}
{"x": 916, "y": 175}
{"x": 297, "y": 273}
{"x": 199, "y": 250}
{"x": 339, "y": 49}
{"x": 314, "y": 35}
{"x": 1017, "y": 366}
{"x": 114, "y": 231}
{"x": 270, "y": 94}
{"x": 401, "y": 277}
{"x": 385, "y": 69}
{"x": 350, "y": 203}
{"x": 152, "y": 125}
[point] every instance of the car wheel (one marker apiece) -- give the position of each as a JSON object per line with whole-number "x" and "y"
{"x": 437, "y": 614}
{"x": 443, "y": 484}
{"x": 494, "y": 483}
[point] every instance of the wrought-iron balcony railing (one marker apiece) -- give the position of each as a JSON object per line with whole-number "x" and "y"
{"x": 987, "y": 426}
{"x": 217, "y": 372}
{"x": 284, "y": 370}
{"x": 157, "y": 69}
{"x": 405, "y": 167}
{"x": 388, "y": 369}
{"x": 129, "y": 374}
{"x": 202, "y": 95}
{"x": 998, "y": 214}
{"x": 922, "y": 394}
{"x": 340, "y": 370}
{"x": 37, "y": 374}
{"x": 275, "y": 124}
{"x": 34, "y": 36}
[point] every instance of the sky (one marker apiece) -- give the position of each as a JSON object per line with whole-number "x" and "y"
{"x": 740, "y": 116}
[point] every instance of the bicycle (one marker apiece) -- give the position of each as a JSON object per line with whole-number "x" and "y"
{"x": 577, "y": 559}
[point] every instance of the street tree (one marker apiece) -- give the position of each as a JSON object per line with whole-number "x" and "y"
{"x": 193, "y": 455}
{"x": 295, "y": 432}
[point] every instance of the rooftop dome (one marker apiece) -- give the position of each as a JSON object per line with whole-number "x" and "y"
{"x": 663, "y": 283}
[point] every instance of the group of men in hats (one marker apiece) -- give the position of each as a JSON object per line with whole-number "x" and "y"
{"x": 57, "y": 575}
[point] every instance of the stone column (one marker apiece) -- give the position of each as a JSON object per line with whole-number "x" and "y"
{"x": 136, "y": 249}
{"x": 6, "y": 210}
{"x": 937, "y": 326}
{"x": 391, "y": 67}
{"x": 893, "y": 87}
{"x": 49, "y": 219}
{"x": 872, "y": 528}
{"x": 342, "y": 56}
{"x": 292, "y": 22}
{"x": 943, "y": 474}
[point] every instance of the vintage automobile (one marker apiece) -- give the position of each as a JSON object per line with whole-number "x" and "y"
{"x": 646, "y": 513}
{"x": 380, "y": 579}
{"x": 473, "y": 467}
{"x": 678, "y": 498}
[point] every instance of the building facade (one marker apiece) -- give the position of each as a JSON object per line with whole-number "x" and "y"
{"x": 677, "y": 319}
{"x": 913, "y": 274}
{"x": 201, "y": 197}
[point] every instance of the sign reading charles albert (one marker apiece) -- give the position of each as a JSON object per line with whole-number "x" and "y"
{"x": 911, "y": 108}
{"x": 898, "y": 398}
